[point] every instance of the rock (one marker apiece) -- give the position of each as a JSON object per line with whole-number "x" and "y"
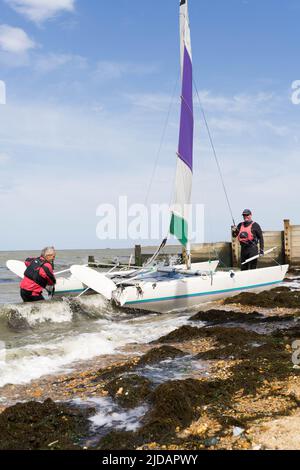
{"x": 183, "y": 333}
{"x": 34, "y": 425}
{"x": 129, "y": 391}
{"x": 214, "y": 317}
{"x": 213, "y": 441}
{"x": 279, "y": 297}
{"x": 238, "y": 431}
{"x": 160, "y": 354}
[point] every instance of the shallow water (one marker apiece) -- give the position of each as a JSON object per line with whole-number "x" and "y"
{"x": 110, "y": 416}
{"x": 51, "y": 337}
{"x": 55, "y": 344}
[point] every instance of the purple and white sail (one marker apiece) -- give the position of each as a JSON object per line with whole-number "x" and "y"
{"x": 184, "y": 173}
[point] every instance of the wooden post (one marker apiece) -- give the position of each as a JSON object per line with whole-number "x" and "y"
{"x": 234, "y": 250}
{"x": 91, "y": 261}
{"x": 287, "y": 242}
{"x": 184, "y": 256}
{"x": 138, "y": 255}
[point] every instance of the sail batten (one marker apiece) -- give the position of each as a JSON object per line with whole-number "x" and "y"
{"x": 184, "y": 172}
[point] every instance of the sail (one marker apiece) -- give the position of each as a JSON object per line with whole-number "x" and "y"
{"x": 184, "y": 172}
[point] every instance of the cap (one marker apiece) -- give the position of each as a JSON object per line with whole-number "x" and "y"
{"x": 247, "y": 212}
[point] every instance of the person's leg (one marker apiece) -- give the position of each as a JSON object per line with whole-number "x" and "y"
{"x": 28, "y": 297}
{"x": 253, "y": 252}
{"x": 25, "y": 295}
{"x": 244, "y": 267}
{"x": 253, "y": 264}
{"x": 244, "y": 257}
{"x": 37, "y": 298}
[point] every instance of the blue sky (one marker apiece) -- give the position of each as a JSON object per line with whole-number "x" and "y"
{"x": 89, "y": 85}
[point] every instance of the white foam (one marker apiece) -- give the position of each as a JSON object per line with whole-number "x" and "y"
{"x": 110, "y": 415}
{"x": 35, "y": 313}
{"x": 33, "y": 361}
{"x": 93, "y": 301}
{"x": 293, "y": 285}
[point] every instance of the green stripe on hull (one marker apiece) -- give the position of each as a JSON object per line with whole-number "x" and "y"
{"x": 179, "y": 228}
{"x": 201, "y": 294}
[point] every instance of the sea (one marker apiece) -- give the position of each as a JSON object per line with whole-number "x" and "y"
{"x": 70, "y": 334}
{"x": 52, "y": 337}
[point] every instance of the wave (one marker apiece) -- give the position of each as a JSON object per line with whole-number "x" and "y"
{"x": 22, "y": 316}
{"x": 60, "y": 354}
{"x": 21, "y": 365}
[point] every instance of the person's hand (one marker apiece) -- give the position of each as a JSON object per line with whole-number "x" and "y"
{"x": 261, "y": 252}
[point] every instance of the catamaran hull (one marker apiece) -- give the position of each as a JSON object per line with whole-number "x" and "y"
{"x": 68, "y": 286}
{"x": 189, "y": 292}
{"x": 202, "y": 266}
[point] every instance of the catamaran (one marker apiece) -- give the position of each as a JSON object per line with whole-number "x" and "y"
{"x": 70, "y": 285}
{"x": 166, "y": 288}
{"x": 163, "y": 289}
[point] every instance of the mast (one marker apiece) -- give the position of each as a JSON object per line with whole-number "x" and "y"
{"x": 184, "y": 172}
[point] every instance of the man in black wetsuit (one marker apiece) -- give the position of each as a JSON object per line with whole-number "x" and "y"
{"x": 249, "y": 235}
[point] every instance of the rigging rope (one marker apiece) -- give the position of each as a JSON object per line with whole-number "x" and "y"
{"x": 161, "y": 142}
{"x": 215, "y": 155}
{"x": 164, "y": 242}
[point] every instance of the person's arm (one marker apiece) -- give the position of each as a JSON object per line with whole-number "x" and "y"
{"x": 260, "y": 237}
{"x": 46, "y": 272}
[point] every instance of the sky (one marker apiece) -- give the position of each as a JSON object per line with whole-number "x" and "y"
{"x": 92, "y": 113}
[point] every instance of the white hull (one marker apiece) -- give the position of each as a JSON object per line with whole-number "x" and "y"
{"x": 72, "y": 286}
{"x": 189, "y": 291}
{"x": 68, "y": 286}
{"x": 204, "y": 266}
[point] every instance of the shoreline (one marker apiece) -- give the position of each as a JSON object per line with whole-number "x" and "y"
{"x": 248, "y": 397}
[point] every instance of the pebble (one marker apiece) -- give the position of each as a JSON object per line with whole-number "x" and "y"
{"x": 238, "y": 431}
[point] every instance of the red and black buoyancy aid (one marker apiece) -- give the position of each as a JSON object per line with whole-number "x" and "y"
{"x": 33, "y": 271}
{"x": 245, "y": 235}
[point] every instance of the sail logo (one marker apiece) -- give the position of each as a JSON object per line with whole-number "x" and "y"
{"x": 2, "y": 353}
{"x": 140, "y": 222}
{"x": 296, "y": 354}
{"x": 2, "y": 92}
{"x": 296, "y": 93}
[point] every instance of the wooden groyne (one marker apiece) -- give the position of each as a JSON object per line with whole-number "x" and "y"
{"x": 287, "y": 242}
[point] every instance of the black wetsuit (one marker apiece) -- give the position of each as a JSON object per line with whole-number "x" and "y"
{"x": 28, "y": 297}
{"x": 250, "y": 249}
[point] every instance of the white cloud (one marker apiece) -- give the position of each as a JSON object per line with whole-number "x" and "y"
{"x": 150, "y": 101}
{"x": 41, "y": 10}
{"x": 237, "y": 103}
{"x": 281, "y": 131}
{"x": 56, "y": 128}
{"x": 13, "y": 61}
{"x": 229, "y": 125}
{"x": 240, "y": 104}
{"x": 51, "y": 62}
{"x": 4, "y": 157}
{"x": 92, "y": 157}
{"x": 14, "y": 40}
{"x": 2, "y": 92}
{"x": 107, "y": 70}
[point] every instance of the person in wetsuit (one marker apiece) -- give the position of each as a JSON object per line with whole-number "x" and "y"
{"x": 38, "y": 275}
{"x": 249, "y": 234}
